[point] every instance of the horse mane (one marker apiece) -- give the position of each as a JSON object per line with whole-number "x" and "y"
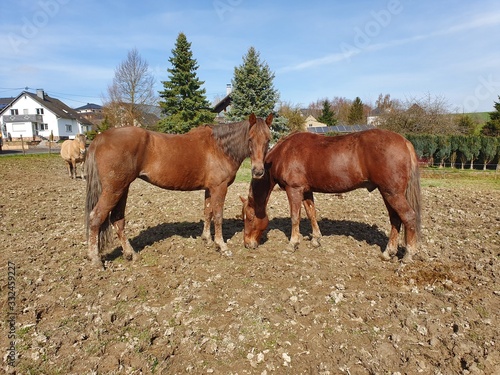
{"x": 232, "y": 138}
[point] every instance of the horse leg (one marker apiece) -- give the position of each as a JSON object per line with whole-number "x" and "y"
{"x": 311, "y": 214}
{"x": 218, "y": 196}
{"x": 68, "y": 165}
{"x": 400, "y": 212}
{"x": 208, "y": 214}
{"x": 392, "y": 245}
{"x": 98, "y": 216}
{"x": 118, "y": 221}
{"x": 82, "y": 170}
{"x": 295, "y": 197}
{"x": 73, "y": 168}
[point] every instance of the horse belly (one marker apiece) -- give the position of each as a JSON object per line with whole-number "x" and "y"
{"x": 337, "y": 179}
{"x": 175, "y": 176}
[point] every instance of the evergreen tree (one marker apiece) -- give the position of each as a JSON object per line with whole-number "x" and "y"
{"x": 492, "y": 127}
{"x": 444, "y": 149}
{"x": 253, "y": 90}
{"x": 489, "y": 149}
{"x": 356, "y": 112}
{"x": 327, "y": 115}
{"x": 183, "y": 102}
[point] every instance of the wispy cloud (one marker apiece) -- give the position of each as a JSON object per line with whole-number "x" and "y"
{"x": 350, "y": 50}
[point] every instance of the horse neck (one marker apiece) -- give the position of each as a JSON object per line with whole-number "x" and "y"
{"x": 260, "y": 191}
{"x": 233, "y": 140}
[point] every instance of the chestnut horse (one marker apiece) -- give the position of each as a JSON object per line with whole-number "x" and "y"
{"x": 303, "y": 163}
{"x": 73, "y": 153}
{"x": 207, "y": 157}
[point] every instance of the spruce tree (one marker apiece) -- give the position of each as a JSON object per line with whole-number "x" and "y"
{"x": 183, "y": 102}
{"x": 253, "y": 90}
{"x": 492, "y": 126}
{"x": 356, "y": 112}
{"x": 327, "y": 115}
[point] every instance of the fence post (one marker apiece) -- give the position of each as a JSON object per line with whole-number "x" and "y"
{"x": 22, "y": 144}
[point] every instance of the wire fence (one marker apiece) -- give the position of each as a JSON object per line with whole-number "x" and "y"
{"x": 450, "y": 170}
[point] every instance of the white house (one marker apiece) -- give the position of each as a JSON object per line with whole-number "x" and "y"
{"x": 311, "y": 122}
{"x": 37, "y": 115}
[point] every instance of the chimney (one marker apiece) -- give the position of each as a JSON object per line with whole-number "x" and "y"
{"x": 40, "y": 93}
{"x": 228, "y": 89}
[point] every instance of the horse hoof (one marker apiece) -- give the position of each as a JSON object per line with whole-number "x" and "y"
{"x": 97, "y": 263}
{"x": 385, "y": 256}
{"x": 208, "y": 241}
{"x": 407, "y": 258}
{"x": 315, "y": 242}
{"x": 133, "y": 257}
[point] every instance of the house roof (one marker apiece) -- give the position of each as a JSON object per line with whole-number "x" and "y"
{"x": 54, "y": 105}
{"x": 222, "y": 105}
{"x": 91, "y": 106}
{"x": 4, "y": 102}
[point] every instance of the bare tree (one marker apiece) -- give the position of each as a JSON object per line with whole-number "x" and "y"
{"x": 296, "y": 122}
{"x": 131, "y": 92}
{"x": 430, "y": 115}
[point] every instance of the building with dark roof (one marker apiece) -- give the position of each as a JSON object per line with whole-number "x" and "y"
{"x": 37, "y": 115}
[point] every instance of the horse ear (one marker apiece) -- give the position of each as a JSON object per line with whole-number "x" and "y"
{"x": 269, "y": 120}
{"x": 243, "y": 199}
{"x": 252, "y": 119}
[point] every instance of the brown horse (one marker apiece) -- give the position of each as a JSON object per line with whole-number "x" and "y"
{"x": 73, "y": 153}
{"x": 303, "y": 163}
{"x": 207, "y": 157}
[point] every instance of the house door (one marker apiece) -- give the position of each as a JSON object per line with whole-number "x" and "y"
{"x": 35, "y": 129}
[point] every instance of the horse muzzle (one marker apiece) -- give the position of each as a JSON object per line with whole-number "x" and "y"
{"x": 251, "y": 244}
{"x": 257, "y": 173}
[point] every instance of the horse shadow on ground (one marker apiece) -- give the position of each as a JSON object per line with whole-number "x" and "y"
{"x": 362, "y": 232}
{"x": 184, "y": 229}
{"x": 371, "y": 234}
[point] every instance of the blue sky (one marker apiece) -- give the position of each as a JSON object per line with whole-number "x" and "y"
{"x": 316, "y": 49}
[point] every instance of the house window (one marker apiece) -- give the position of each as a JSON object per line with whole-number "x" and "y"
{"x": 39, "y": 111}
{"x": 69, "y": 128}
{"x": 14, "y": 112}
{"x": 44, "y": 126}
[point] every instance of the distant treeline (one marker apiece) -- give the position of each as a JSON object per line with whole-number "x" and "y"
{"x": 471, "y": 151}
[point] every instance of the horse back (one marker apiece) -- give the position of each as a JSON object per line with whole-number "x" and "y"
{"x": 340, "y": 163}
{"x": 170, "y": 161}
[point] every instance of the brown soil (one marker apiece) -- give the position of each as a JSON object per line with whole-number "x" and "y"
{"x": 185, "y": 308}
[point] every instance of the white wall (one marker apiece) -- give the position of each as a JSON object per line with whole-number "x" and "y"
{"x": 26, "y": 104}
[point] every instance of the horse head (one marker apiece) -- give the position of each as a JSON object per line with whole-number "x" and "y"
{"x": 254, "y": 225}
{"x": 259, "y": 135}
{"x": 82, "y": 143}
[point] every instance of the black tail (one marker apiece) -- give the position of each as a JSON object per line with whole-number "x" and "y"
{"x": 413, "y": 193}
{"x": 94, "y": 190}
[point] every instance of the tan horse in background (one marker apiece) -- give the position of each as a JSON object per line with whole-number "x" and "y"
{"x": 73, "y": 152}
